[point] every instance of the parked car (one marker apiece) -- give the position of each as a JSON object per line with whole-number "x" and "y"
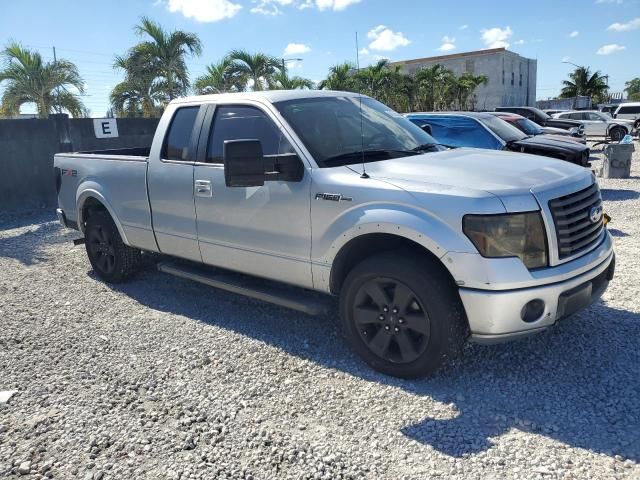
{"x": 599, "y": 124}
{"x": 334, "y": 193}
{"x": 530, "y": 128}
{"x": 538, "y": 116}
{"x": 629, "y": 111}
{"x": 550, "y": 111}
{"x": 608, "y": 108}
{"x": 485, "y": 130}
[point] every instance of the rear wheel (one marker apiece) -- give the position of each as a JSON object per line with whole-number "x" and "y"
{"x": 111, "y": 259}
{"x": 617, "y": 133}
{"x": 402, "y": 316}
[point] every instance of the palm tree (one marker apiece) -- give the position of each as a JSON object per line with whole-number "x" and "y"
{"x": 253, "y": 69}
{"x": 465, "y": 86}
{"x": 140, "y": 94}
{"x": 47, "y": 84}
{"x": 219, "y": 78}
{"x": 164, "y": 54}
{"x": 340, "y": 78}
{"x": 632, "y": 87}
{"x": 435, "y": 87}
{"x": 584, "y": 83}
{"x": 282, "y": 81}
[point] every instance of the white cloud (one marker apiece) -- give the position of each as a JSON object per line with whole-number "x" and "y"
{"x": 463, "y": 27}
{"x": 574, "y": 34}
{"x": 609, "y": 49}
{"x": 625, "y": 27}
{"x": 384, "y": 39}
{"x": 610, "y": 1}
{"x": 296, "y": 48}
{"x": 448, "y": 43}
{"x": 496, "y": 37}
{"x": 566, "y": 59}
{"x": 519, "y": 42}
{"x": 204, "y": 10}
{"x": 334, "y": 4}
{"x": 274, "y": 7}
{"x": 364, "y": 51}
{"x": 270, "y": 7}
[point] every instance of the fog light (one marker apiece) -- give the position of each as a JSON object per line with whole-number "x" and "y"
{"x": 532, "y": 311}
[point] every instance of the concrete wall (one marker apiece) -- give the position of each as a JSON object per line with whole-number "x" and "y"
{"x": 501, "y": 68}
{"x": 27, "y": 147}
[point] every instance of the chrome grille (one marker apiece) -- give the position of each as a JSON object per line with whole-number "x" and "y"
{"x": 575, "y": 230}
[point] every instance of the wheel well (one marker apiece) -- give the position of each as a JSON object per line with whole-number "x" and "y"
{"x": 364, "y": 246}
{"x": 90, "y": 206}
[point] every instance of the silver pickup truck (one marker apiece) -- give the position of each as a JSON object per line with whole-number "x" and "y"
{"x": 280, "y": 195}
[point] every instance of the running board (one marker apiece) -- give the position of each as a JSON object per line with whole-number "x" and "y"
{"x": 311, "y": 303}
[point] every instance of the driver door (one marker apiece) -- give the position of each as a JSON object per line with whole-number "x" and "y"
{"x": 263, "y": 231}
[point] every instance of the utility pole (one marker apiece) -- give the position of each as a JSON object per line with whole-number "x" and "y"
{"x": 55, "y": 63}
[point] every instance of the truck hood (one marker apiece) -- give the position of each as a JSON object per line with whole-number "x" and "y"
{"x": 550, "y": 143}
{"x": 500, "y": 173}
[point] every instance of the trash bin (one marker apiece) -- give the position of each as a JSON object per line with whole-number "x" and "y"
{"x": 617, "y": 160}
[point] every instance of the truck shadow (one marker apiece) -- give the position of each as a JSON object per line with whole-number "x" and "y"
{"x": 585, "y": 396}
{"x": 40, "y": 230}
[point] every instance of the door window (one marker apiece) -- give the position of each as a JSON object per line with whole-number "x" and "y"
{"x": 239, "y": 122}
{"x": 178, "y": 139}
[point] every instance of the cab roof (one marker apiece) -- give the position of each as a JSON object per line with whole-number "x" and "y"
{"x": 270, "y": 96}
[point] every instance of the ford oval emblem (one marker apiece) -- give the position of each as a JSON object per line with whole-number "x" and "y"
{"x": 595, "y": 214}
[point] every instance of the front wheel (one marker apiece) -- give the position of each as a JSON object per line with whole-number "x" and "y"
{"x": 403, "y": 316}
{"x": 111, "y": 259}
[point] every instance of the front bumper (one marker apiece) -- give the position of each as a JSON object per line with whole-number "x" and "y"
{"x": 62, "y": 218}
{"x": 495, "y": 316}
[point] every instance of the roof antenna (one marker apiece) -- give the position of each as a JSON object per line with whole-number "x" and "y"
{"x": 364, "y": 170}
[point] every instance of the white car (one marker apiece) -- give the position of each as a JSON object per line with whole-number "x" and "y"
{"x": 599, "y": 124}
{"x": 629, "y": 111}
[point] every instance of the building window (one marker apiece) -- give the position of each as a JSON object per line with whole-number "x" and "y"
{"x": 503, "y": 76}
{"x": 513, "y": 78}
{"x": 520, "y": 79}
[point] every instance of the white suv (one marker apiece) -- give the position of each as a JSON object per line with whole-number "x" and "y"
{"x": 600, "y": 124}
{"x": 629, "y": 111}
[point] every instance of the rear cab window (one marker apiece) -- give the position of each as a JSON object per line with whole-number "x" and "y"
{"x": 177, "y": 142}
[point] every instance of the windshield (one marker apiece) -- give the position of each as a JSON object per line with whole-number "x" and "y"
{"x": 335, "y": 133}
{"x": 528, "y": 127}
{"x": 502, "y": 129}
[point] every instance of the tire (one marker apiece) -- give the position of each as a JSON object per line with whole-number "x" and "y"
{"x": 411, "y": 307}
{"x": 111, "y": 259}
{"x": 617, "y": 133}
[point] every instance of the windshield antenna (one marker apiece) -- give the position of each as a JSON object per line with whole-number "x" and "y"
{"x": 364, "y": 170}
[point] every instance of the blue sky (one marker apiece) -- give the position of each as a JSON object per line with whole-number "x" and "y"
{"x": 602, "y": 34}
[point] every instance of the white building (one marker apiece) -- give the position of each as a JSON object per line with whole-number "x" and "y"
{"x": 512, "y": 78}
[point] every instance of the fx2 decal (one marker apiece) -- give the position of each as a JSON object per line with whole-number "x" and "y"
{"x": 67, "y": 172}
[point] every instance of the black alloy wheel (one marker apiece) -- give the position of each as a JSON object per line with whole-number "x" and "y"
{"x": 391, "y": 321}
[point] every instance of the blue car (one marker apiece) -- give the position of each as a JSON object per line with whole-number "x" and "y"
{"x": 484, "y": 130}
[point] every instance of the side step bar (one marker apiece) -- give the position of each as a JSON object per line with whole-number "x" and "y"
{"x": 311, "y": 303}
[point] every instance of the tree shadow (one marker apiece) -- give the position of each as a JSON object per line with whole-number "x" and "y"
{"x": 617, "y": 233}
{"x": 618, "y": 195}
{"x": 28, "y": 247}
{"x": 585, "y": 396}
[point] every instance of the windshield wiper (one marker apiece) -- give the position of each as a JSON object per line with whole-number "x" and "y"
{"x": 367, "y": 156}
{"x": 429, "y": 146}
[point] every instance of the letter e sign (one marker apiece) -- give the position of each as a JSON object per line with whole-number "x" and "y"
{"x": 105, "y": 127}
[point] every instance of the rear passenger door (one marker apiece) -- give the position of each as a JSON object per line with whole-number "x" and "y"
{"x": 263, "y": 231}
{"x": 170, "y": 183}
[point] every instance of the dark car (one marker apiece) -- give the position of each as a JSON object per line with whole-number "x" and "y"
{"x": 538, "y": 116}
{"x": 484, "y": 130}
{"x": 530, "y": 128}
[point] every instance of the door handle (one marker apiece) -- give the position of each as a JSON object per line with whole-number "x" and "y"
{"x": 203, "y": 188}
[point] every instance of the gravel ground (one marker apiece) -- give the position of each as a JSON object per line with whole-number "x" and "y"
{"x": 164, "y": 378}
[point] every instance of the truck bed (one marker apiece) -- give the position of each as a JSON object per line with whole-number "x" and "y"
{"x": 118, "y": 179}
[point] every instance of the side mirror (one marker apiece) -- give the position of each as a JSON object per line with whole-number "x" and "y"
{"x": 426, "y": 128}
{"x": 243, "y": 163}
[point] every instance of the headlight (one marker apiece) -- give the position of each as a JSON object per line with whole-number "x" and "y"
{"x": 519, "y": 235}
